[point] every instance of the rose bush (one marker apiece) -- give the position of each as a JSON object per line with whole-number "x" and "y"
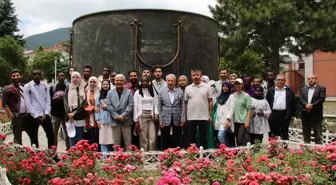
{"x": 270, "y": 164}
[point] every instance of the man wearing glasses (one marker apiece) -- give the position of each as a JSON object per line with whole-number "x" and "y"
{"x": 282, "y": 102}
{"x": 37, "y": 99}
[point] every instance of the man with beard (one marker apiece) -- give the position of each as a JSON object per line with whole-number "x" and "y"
{"x": 13, "y": 102}
{"x": 223, "y": 74}
{"x": 37, "y": 98}
{"x": 105, "y": 76}
{"x": 87, "y": 73}
{"x": 133, "y": 86}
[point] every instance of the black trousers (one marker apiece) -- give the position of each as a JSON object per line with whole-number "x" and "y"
{"x": 316, "y": 125}
{"x": 185, "y": 137}
{"x": 202, "y": 126}
{"x": 279, "y": 124}
{"x": 19, "y": 124}
{"x": 47, "y": 127}
{"x": 135, "y": 138}
{"x": 169, "y": 141}
{"x": 93, "y": 135}
{"x": 241, "y": 133}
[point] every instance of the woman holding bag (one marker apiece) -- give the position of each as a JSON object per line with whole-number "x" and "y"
{"x": 74, "y": 102}
{"x": 90, "y": 122}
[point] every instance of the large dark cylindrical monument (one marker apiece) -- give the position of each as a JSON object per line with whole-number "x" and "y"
{"x": 142, "y": 38}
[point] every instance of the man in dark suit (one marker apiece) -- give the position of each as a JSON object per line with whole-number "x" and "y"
{"x": 282, "y": 102}
{"x": 312, "y": 98}
{"x": 171, "y": 109}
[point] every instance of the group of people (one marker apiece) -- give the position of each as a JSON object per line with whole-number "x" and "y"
{"x": 159, "y": 114}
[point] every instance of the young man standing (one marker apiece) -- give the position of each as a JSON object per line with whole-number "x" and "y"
{"x": 87, "y": 73}
{"x": 57, "y": 108}
{"x": 146, "y": 72}
{"x": 158, "y": 82}
{"x": 198, "y": 97}
{"x": 15, "y": 106}
{"x": 105, "y": 76}
{"x": 37, "y": 98}
{"x": 242, "y": 114}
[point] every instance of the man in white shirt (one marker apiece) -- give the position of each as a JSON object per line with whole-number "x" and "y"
{"x": 198, "y": 97}
{"x": 37, "y": 98}
{"x": 282, "y": 102}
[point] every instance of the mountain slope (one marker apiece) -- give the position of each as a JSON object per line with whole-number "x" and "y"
{"x": 47, "y": 39}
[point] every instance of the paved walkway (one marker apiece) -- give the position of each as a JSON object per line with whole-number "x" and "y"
{"x": 43, "y": 142}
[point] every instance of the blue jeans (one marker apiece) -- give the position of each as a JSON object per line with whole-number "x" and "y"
{"x": 106, "y": 148}
{"x": 79, "y": 136}
{"x": 222, "y": 137}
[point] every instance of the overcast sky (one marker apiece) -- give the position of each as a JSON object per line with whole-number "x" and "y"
{"x": 38, "y": 16}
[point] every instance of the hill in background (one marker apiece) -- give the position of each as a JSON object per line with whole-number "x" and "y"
{"x": 47, "y": 39}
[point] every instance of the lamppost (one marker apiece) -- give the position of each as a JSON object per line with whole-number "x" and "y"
{"x": 61, "y": 60}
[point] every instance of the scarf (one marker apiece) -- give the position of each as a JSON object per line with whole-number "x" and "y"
{"x": 261, "y": 89}
{"x": 224, "y": 96}
{"x": 95, "y": 90}
{"x": 103, "y": 93}
{"x": 248, "y": 88}
{"x": 206, "y": 79}
{"x": 72, "y": 92}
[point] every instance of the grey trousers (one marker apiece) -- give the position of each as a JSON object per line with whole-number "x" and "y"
{"x": 126, "y": 134}
{"x": 57, "y": 123}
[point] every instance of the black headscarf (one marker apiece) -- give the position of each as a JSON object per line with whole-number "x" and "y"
{"x": 261, "y": 89}
{"x": 103, "y": 93}
{"x": 224, "y": 96}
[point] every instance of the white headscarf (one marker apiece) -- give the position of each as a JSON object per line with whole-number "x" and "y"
{"x": 206, "y": 79}
{"x": 72, "y": 93}
{"x": 95, "y": 90}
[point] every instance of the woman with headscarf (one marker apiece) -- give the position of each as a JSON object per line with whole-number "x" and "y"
{"x": 91, "y": 123}
{"x": 103, "y": 118}
{"x": 248, "y": 87}
{"x": 224, "y": 113}
{"x": 144, "y": 112}
{"x": 74, "y": 103}
{"x": 205, "y": 79}
{"x": 183, "y": 83}
{"x": 261, "y": 111}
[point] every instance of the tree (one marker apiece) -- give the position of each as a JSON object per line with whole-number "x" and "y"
{"x": 249, "y": 64}
{"x": 11, "y": 56}
{"x": 9, "y": 21}
{"x": 45, "y": 61}
{"x": 271, "y": 26}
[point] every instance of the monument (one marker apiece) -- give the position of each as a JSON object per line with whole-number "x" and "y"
{"x": 143, "y": 38}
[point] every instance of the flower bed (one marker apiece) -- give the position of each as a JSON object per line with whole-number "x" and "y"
{"x": 265, "y": 164}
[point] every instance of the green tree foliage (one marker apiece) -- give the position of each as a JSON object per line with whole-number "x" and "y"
{"x": 45, "y": 61}
{"x": 249, "y": 63}
{"x": 271, "y": 26}
{"x": 9, "y": 21}
{"x": 11, "y": 56}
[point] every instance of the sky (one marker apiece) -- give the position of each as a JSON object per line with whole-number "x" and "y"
{"x": 38, "y": 16}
